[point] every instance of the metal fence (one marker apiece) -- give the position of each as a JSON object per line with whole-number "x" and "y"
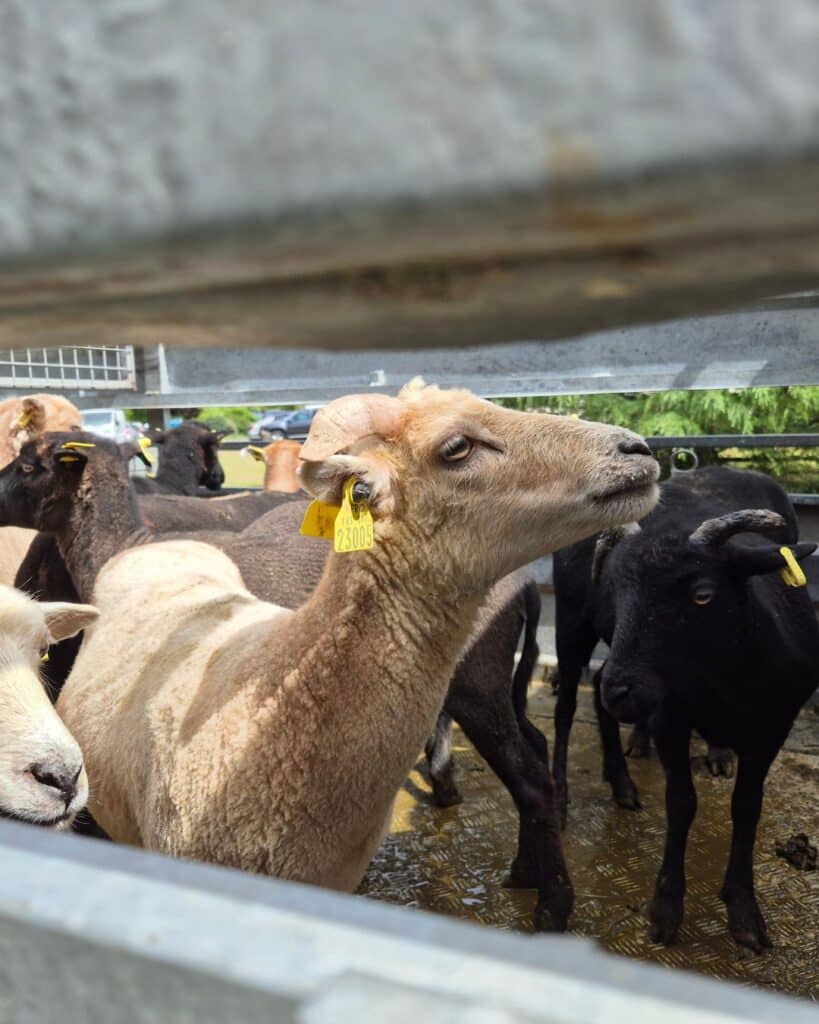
{"x": 92, "y": 367}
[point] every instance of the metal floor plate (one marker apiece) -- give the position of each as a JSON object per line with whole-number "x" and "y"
{"x": 454, "y": 861}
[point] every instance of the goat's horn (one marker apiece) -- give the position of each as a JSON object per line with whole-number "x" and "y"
{"x": 339, "y": 425}
{"x": 714, "y": 532}
{"x": 607, "y": 540}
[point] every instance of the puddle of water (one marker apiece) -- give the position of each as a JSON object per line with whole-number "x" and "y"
{"x": 453, "y": 861}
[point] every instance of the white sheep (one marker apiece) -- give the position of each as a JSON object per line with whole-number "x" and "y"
{"x": 42, "y": 778}
{"x": 220, "y": 727}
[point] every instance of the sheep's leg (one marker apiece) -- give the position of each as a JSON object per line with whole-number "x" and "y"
{"x": 639, "y": 742}
{"x": 575, "y": 643}
{"x": 720, "y": 761}
{"x": 615, "y": 769}
{"x": 493, "y": 728}
{"x": 438, "y": 750}
{"x": 667, "y": 906}
{"x": 745, "y": 920}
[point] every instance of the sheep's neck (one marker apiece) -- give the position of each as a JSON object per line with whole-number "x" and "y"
{"x": 102, "y": 523}
{"x": 368, "y": 659}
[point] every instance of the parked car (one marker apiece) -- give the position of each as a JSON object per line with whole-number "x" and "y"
{"x": 110, "y": 423}
{"x": 276, "y": 425}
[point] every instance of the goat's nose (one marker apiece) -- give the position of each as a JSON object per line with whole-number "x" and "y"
{"x": 58, "y": 777}
{"x": 633, "y": 446}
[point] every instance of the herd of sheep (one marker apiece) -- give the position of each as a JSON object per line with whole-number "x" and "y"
{"x": 252, "y": 695}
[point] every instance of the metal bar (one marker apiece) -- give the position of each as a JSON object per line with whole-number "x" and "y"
{"x": 94, "y": 931}
{"x": 735, "y": 441}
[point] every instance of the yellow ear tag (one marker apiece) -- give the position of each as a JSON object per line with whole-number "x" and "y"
{"x": 25, "y": 419}
{"x": 79, "y": 444}
{"x": 67, "y": 458}
{"x": 256, "y": 452}
{"x": 792, "y": 574}
{"x": 354, "y": 524}
{"x": 319, "y": 520}
{"x": 145, "y": 443}
{"x": 44, "y": 657}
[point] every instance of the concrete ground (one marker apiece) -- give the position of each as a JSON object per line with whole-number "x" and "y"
{"x": 453, "y": 861}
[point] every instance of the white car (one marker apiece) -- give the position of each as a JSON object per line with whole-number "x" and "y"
{"x": 110, "y": 423}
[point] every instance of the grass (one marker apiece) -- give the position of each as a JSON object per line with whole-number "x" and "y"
{"x": 241, "y": 470}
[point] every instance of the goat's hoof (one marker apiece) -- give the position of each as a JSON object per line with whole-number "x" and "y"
{"x": 665, "y": 916}
{"x": 720, "y": 761}
{"x": 746, "y": 923}
{"x": 447, "y": 796}
{"x": 625, "y": 794}
{"x": 553, "y": 911}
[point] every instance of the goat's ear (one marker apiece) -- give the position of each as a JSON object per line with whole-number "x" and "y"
{"x": 64, "y": 619}
{"x": 325, "y": 480}
{"x": 763, "y": 558}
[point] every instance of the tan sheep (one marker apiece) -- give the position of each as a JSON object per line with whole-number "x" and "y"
{"x": 224, "y": 728}
{"x": 22, "y": 419}
{"x": 281, "y": 463}
{"x": 42, "y": 779}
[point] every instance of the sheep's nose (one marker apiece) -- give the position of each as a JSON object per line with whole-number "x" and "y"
{"x": 633, "y": 446}
{"x": 58, "y": 777}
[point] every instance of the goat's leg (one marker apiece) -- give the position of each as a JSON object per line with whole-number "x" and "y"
{"x": 666, "y": 908}
{"x": 438, "y": 751}
{"x": 575, "y": 643}
{"x": 492, "y": 726}
{"x": 615, "y": 769}
{"x": 745, "y": 920}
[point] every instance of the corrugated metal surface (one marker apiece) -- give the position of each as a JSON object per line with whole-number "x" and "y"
{"x": 454, "y": 861}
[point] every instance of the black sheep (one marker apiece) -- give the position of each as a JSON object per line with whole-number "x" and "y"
{"x": 188, "y": 459}
{"x": 704, "y": 634}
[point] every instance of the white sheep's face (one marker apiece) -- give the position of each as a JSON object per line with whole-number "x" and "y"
{"x": 483, "y": 489}
{"x": 42, "y": 777}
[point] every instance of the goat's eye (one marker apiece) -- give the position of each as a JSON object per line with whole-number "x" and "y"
{"x": 702, "y": 594}
{"x": 456, "y": 449}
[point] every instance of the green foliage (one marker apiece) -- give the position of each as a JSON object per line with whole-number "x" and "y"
{"x": 235, "y": 418}
{"x": 790, "y": 410}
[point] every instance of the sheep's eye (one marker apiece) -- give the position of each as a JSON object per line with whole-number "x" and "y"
{"x": 27, "y": 468}
{"x": 702, "y": 594}
{"x": 456, "y": 449}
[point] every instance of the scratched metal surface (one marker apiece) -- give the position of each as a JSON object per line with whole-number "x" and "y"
{"x": 453, "y": 861}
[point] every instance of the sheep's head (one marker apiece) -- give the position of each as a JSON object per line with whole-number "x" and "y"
{"x": 195, "y": 443}
{"x": 42, "y": 778}
{"x": 483, "y": 489}
{"x": 30, "y": 417}
{"x": 281, "y": 463}
{"x": 40, "y": 488}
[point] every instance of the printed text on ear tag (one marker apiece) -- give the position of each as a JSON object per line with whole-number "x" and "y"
{"x": 354, "y": 524}
{"x": 319, "y": 520}
{"x": 792, "y": 574}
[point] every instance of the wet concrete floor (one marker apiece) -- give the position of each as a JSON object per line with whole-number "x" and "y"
{"x": 453, "y": 861}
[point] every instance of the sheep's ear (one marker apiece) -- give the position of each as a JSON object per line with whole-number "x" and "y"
{"x": 764, "y": 558}
{"x": 325, "y": 480}
{"x": 70, "y": 460}
{"x": 32, "y": 416}
{"x": 220, "y": 435}
{"x": 64, "y": 619}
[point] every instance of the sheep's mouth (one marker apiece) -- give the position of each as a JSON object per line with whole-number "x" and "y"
{"x": 50, "y": 823}
{"x": 635, "y": 485}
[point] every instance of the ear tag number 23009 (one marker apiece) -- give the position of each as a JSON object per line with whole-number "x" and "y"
{"x": 354, "y": 524}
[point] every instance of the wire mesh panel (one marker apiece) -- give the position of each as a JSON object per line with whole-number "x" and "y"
{"x": 102, "y": 367}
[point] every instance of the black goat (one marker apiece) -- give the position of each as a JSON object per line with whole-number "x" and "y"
{"x": 188, "y": 459}
{"x": 699, "y": 621}
{"x": 87, "y": 503}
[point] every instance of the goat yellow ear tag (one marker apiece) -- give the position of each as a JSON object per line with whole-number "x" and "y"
{"x": 354, "y": 524}
{"x": 319, "y": 520}
{"x": 792, "y": 574}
